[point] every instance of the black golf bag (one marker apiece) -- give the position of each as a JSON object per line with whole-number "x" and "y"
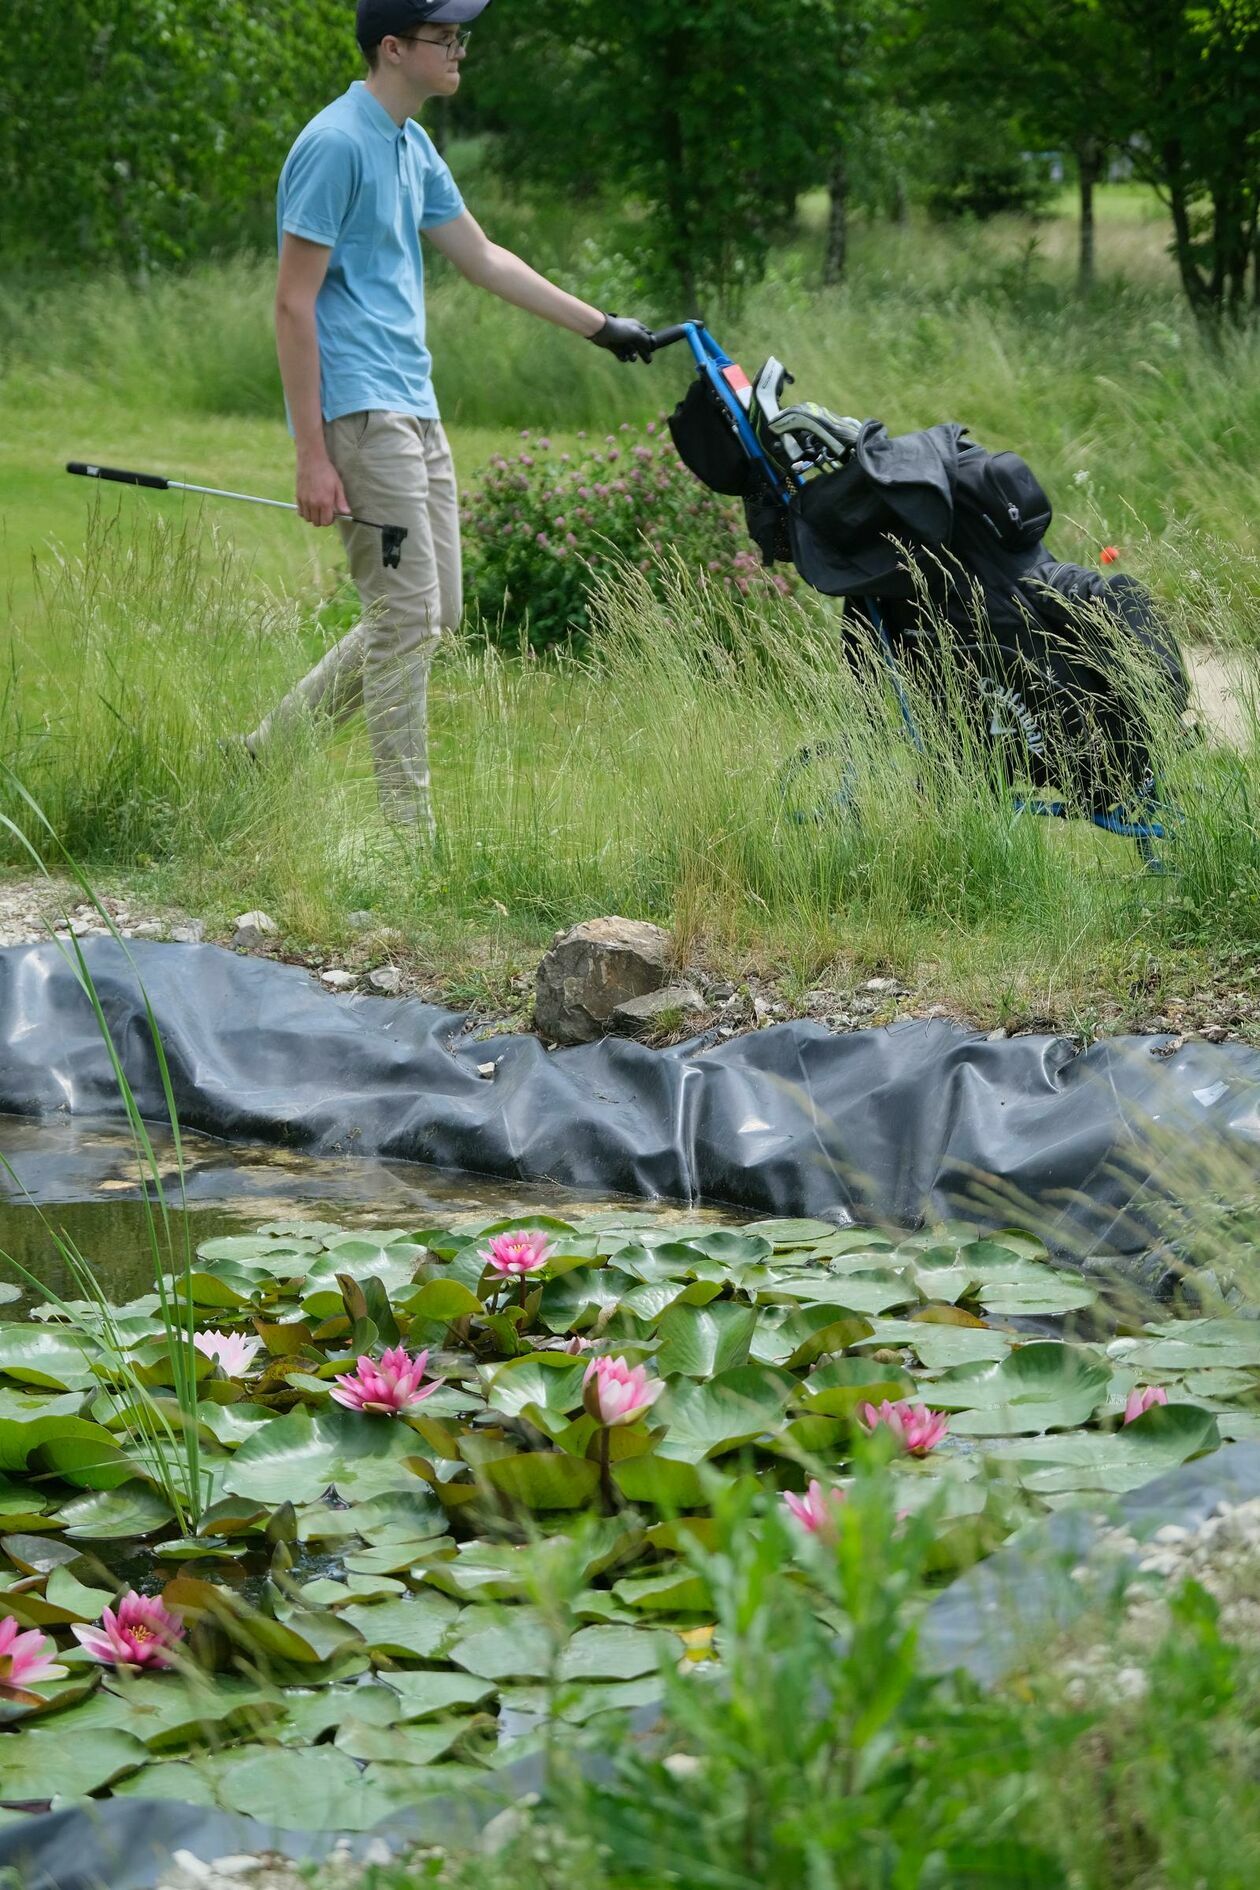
{"x": 938, "y": 544}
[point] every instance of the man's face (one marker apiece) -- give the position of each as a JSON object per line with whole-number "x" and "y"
{"x": 431, "y": 57}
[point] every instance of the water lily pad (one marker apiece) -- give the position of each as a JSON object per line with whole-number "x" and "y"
{"x": 130, "y": 1509}
{"x": 872, "y": 1292}
{"x": 405, "y": 1745}
{"x": 431, "y": 1691}
{"x": 704, "y": 1341}
{"x": 515, "y": 1643}
{"x": 1050, "y": 1293}
{"x": 45, "y": 1763}
{"x": 783, "y": 1235}
{"x": 939, "y": 1347}
{"x": 54, "y": 1356}
{"x": 296, "y": 1458}
{"x": 796, "y": 1335}
{"x": 550, "y": 1380}
{"x": 838, "y": 1388}
{"x": 1123, "y": 1459}
{"x": 1040, "y": 1387}
{"x": 706, "y": 1418}
{"x": 415, "y": 1627}
{"x": 614, "y": 1653}
{"x": 311, "y": 1789}
{"x": 543, "y": 1479}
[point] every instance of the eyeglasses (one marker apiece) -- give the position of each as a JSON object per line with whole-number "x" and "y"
{"x": 451, "y": 44}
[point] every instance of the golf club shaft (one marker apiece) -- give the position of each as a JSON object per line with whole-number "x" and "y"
{"x": 158, "y": 484}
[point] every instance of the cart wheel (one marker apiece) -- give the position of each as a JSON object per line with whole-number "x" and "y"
{"x": 817, "y": 785}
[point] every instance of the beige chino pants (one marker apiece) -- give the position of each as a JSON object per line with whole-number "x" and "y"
{"x": 397, "y": 470}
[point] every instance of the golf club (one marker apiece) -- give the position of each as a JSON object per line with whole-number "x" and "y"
{"x": 391, "y": 535}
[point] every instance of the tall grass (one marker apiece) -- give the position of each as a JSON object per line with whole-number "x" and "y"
{"x": 665, "y": 780}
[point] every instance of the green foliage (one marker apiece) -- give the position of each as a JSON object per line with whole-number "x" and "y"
{"x": 140, "y": 132}
{"x": 546, "y": 525}
{"x": 707, "y": 120}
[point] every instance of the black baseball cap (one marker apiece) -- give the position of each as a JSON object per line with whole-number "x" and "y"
{"x": 376, "y": 19}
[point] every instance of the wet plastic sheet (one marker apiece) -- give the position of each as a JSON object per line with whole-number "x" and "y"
{"x": 922, "y": 1119}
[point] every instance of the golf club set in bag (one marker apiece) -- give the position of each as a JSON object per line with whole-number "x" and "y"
{"x": 932, "y": 540}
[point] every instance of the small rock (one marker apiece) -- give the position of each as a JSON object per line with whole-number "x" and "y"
{"x": 386, "y": 978}
{"x": 486, "y": 1069}
{"x": 360, "y": 920}
{"x": 718, "y": 993}
{"x": 257, "y": 921}
{"x": 81, "y": 927}
{"x": 641, "y": 1013}
{"x": 883, "y": 984}
{"x": 1214, "y": 1033}
{"x": 337, "y": 979}
{"x": 246, "y": 938}
{"x": 762, "y": 1010}
{"x": 999, "y": 1035}
{"x": 188, "y": 934}
{"x": 243, "y": 1865}
{"x": 148, "y": 928}
{"x": 192, "y": 1867}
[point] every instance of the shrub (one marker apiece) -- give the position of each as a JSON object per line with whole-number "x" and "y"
{"x": 544, "y": 526}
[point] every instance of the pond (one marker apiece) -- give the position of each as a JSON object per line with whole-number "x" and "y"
{"x": 443, "y": 1459}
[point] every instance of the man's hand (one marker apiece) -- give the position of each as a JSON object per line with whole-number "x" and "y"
{"x": 624, "y": 337}
{"x": 320, "y": 496}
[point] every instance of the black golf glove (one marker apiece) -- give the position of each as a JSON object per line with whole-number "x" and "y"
{"x": 624, "y": 337}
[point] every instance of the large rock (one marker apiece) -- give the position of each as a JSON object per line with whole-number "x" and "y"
{"x": 590, "y": 970}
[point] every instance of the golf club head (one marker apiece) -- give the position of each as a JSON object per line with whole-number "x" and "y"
{"x": 391, "y": 544}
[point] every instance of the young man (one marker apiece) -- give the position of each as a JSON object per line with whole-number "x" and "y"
{"x": 360, "y": 184}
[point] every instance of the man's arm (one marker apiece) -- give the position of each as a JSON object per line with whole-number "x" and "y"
{"x": 465, "y": 244}
{"x": 303, "y": 266}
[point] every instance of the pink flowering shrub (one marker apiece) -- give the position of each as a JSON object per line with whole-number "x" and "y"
{"x": 541, "y": 524}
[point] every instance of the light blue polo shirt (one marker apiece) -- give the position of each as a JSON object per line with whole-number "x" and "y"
{"x": 366, "y": 187}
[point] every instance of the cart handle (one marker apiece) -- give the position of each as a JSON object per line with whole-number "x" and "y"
{"x": 666, "y": 337}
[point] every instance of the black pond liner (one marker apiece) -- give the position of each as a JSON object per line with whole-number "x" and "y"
{"x": 918, "y": 1121}
{"x": 921, "y": 1120}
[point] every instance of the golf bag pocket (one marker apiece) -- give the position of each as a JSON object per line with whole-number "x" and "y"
{"x": 1001, "y": 492}
{"x": 844, "y": 509}
{"x": 708, "y": 444}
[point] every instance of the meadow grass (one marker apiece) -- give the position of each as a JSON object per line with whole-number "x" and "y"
{"x": 659, "y": 781}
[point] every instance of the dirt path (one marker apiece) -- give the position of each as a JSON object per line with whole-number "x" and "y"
{"x": 1226, "y": 693}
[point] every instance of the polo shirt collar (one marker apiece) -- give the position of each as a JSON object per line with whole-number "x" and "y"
{"x": 374, "y": 112}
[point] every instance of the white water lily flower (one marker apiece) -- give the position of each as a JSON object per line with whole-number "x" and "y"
{"x": 232, "y": 1351}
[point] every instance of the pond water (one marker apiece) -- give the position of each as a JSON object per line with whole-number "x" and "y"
{"x": 79, "y": 1178}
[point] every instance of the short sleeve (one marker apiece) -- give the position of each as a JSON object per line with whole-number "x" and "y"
{"x": 442, "y": 200}
{"x": 316, "y": 186}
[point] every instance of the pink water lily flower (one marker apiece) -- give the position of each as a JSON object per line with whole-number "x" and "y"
{"x": 818, "y": 1511}
{"x": 515, "y": 1255}
{"x": 392, "y": 1386}
{"x": 232, "y": 1350}
{"x": 616, "y": 1393}
{"x": 25, "y": 1658}
{"x": 915, "y": 1428}
{"x": 1141, "y": 1398}
{"x": 140, "y": 1633}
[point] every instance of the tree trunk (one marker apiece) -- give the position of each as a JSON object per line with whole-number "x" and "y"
{"x": 836, "y": 253}
{"x": 1088, "y": 167}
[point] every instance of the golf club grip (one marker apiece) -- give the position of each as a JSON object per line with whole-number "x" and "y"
{"x": 666, "y": 337}
{"x": 118, "y": 475}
